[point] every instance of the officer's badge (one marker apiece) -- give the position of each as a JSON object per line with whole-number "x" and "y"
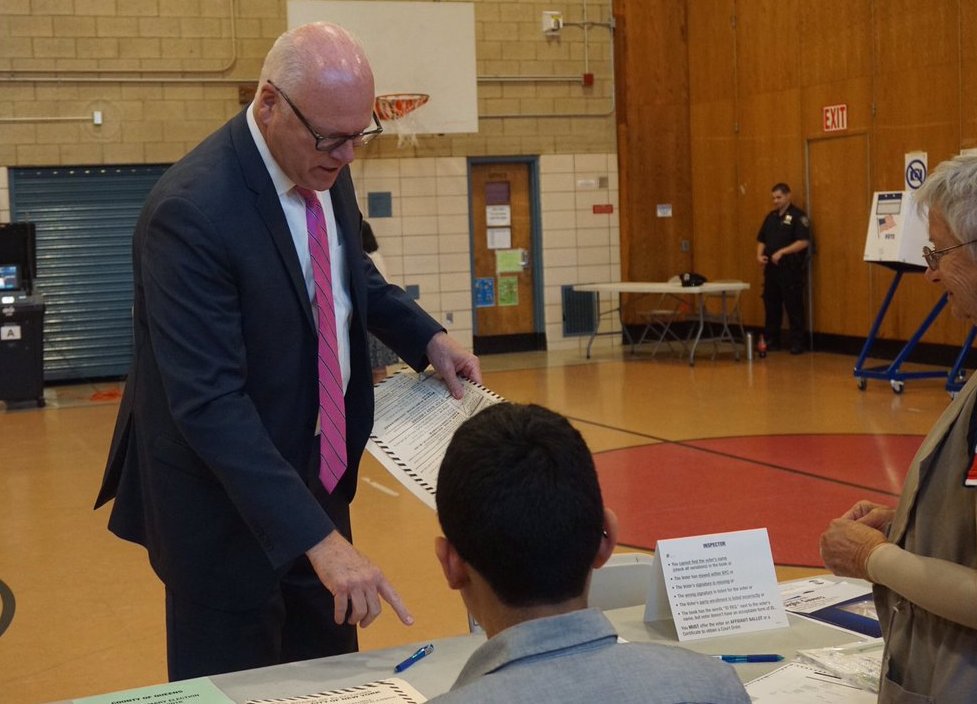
{"x": 788, "y": 219}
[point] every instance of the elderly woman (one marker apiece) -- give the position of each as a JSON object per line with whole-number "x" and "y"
{"x": 922, "y": 555}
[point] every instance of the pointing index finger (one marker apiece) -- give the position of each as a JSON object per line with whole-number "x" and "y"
{"x": 391, "y": 596}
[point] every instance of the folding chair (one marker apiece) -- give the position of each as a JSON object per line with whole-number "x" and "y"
{"x": 721, "y": 314}
{"x": 669, "y": 309}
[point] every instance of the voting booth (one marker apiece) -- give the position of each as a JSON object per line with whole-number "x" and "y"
{"x": 897, "y": 233}
{"x": 21, "y": 318}
{"x": 22, "y": 350}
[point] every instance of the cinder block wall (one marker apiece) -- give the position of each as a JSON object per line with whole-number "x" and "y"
{"x": 165, "y": 73}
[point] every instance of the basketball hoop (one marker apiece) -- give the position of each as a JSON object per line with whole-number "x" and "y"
{"x": 399, "y": 108}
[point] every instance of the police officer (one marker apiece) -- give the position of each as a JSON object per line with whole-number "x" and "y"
{"x": 783, "y": 237}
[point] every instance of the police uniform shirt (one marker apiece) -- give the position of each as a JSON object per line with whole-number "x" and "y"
{"x": 779, "y": 231}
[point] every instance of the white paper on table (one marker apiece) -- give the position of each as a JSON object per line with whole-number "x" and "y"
{"x": 414, "y": 420}
{"x": 803, "y": 684}
{"x": 719, "y": 584}
{"x": 809, "y": 595}
{"x": 858, "y": 663}
{"x": 392, "y": 691}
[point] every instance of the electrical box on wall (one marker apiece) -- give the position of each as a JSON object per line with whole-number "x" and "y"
{"x": 552, "y": 21}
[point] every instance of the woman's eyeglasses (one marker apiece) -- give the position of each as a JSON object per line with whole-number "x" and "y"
{"x": 933, "y": 256}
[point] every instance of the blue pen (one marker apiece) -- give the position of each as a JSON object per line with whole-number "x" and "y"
{"x": 752, "y": 657}
{"x": 417, "y": 655}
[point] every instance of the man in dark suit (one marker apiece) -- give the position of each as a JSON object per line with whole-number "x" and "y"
{"x": 215, "y": 460}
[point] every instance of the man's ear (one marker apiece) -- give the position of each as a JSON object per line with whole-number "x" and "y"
{"x": 455, "y": 569}
{"x": 265, "y": 101}
{"x": 608, "y": 540}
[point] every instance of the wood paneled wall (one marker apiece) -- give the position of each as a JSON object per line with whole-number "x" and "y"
{"x": 720, "y": 99}
{"x": 651, "y": 75}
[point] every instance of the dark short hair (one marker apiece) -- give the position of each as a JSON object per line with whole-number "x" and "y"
{"x": 519, "y": 500}
{"x": 782, "y": 187}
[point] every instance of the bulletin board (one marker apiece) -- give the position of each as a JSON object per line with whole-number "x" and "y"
{"x": 413, "y": 47}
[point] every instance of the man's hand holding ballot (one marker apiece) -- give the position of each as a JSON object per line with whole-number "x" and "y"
{"x": 452, "y": 361}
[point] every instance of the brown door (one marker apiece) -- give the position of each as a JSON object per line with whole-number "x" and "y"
{"x": 504, "y": 273}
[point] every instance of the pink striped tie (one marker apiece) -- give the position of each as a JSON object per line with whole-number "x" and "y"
{"x": 332, "y": 406}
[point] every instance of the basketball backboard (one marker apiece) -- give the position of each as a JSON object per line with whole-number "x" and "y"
{"x": 414, "y": 48}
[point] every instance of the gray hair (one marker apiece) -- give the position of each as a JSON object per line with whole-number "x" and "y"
{"x": 297, "y": 54}
{"x": 952, "y": 190}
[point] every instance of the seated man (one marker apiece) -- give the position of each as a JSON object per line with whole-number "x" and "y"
{"x": 524, "y": 525}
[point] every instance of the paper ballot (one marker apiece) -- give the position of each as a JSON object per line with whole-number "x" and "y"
{"x": 413, "y": 423}
{"x": 392, "y": 691}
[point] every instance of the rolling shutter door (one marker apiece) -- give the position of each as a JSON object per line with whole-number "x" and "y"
{"x": 84, "y": 218}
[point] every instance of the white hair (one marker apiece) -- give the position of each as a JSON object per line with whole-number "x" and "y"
{"x": 951, "y": 189}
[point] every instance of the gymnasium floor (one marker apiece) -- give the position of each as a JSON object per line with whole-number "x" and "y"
{"x": 783, "y": 443}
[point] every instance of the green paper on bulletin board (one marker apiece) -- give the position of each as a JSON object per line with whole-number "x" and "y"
{"x": 508, "y": 290}
{"x": 508, "y": 261}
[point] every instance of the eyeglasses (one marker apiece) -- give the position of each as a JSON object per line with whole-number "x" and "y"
{"x": 933, "y": 256}
{"x": 328, "y": 144}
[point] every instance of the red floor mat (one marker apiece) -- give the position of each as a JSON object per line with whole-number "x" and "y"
{"x": 669, "y": 490}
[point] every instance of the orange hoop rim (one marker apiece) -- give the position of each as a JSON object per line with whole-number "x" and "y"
{"x": 393, "y": 106}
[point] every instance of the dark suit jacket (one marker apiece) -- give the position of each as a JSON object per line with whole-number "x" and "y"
{"x": 211, "y": 462}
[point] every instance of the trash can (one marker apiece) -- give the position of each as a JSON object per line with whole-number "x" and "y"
{"x": 22, "y": 349}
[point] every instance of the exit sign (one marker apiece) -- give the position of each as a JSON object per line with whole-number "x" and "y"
{"x": 835, "y": 117}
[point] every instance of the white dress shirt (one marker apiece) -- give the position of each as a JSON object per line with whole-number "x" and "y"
{"x": 294, "y": 207}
